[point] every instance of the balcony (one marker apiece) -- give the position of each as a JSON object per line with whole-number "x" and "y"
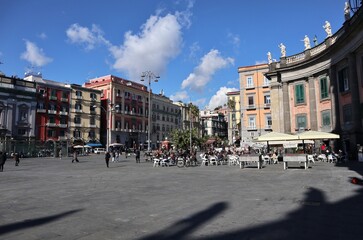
{"x": 78, "y": 97}
{"x": 250, "y": 87}
{"x": 41, "y": 110}
{"x": 64, "y": 99}
{"x": 63, "y": 125}
{"x": 267, "y": 105}
{"x": 92, "y": 126}
{"x": 268, "y": 127}
{"x": 62, "y": 138}
{"x": 53, "y": 97}
{"x": 52, "y": 111}
{"x": 78, "y": 110}
{"x": 251, "y": 128}
{"x": 63, "y": 113}
{"x": 77, "y": 124}
{"x": 251, "y": 107}
{"x": 51, "y": 124}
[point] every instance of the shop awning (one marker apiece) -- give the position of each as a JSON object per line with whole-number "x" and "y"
{"x": 94, "y": 144}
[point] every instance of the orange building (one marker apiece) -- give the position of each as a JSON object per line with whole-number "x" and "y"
{"x": 255, "y": 101}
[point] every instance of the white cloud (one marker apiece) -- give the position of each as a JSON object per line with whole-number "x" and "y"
{"x": 158, "y": 42}
{"x": 220, "y": 98}
{"x": 202, "y": 74}
{"x": 42, "y": 36}
{"x": 34, "y": 55}
{"x": 234, "y": 39}
{"x": 180, "y": 96}
{"x": 89, "y": 38}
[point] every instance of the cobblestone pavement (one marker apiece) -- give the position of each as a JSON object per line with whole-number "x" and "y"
{"x": 49, "y": 198}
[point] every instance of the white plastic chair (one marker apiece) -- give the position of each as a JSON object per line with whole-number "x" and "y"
{"x": 156, "y": 162}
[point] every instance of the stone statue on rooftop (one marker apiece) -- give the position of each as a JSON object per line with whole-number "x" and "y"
{"x": 347, "y": 11}
{"x": 306, "y": 42}
{"x": 327, "y": 28}
{"x": 283, "y": 50}
{"x": 269, "y": 57}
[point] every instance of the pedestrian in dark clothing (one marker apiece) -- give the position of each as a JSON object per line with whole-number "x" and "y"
{"x": 107, "y": 158}
{"x": 17, "y": 159}
{"x": 137, "y": 154}
{"x": 2, "y": 160}
{"x": 75, "y": 157}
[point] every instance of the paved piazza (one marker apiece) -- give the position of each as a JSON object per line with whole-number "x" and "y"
{"x": 48, "y": 198}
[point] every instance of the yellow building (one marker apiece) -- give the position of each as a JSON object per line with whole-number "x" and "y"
{"x": 85, "y": 116}
{"x": 233, "y": 116}
{"x": 255, "y": 101}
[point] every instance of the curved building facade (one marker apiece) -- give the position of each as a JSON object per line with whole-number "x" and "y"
{"x": 321, "y": 88}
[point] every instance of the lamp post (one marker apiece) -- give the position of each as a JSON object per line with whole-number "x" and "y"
{"x": 190, "y": 126}
{"x": 149, "y": 76}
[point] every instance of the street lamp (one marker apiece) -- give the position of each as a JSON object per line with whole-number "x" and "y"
{"x": 150, "y": 76}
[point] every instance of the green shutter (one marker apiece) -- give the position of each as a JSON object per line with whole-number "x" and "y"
{"x": 299, "y": 94}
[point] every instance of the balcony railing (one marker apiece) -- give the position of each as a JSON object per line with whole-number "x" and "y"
{"x": 63, "y": 113}
{"x": 78, "y": 110}
{"x": 251, "y": 128}
{"x": 51, "y": 124}
{"x": 64, "y": 99}
{"x": 52, "y": 111}
{"x": 41, "y": 110}
{"x": 92, "y": 126}
{"x": 62, "y": 125}
{"x": 53, "y": 97}
{"x": 78, "y": 97}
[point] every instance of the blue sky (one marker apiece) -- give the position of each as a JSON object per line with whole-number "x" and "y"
{"x": 195, "y": 46}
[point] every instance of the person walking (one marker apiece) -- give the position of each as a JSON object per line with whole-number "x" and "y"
{"x": 2, "y": 160}
{"x": 107, "y": 158}
{"x": 75, "y": 157}
{"x": 17, "y": 159}
{"x": 137, "y": 155}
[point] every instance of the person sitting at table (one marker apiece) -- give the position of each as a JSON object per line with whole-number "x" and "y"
{"x": 274, "y": 157}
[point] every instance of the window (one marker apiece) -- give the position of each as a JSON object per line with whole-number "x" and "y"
{"x": 93, "y": 96}
{"x": 51, "y": 119}
{"x": 299, "y": 94}
{"x": 118, "y": 94}
{"x": 92, "y": 121}
{"x": 266, "y": 81}
{"x": 78, "y": 107}
{"x": 65, "y": 95}
{"x": 252, "y": 122}
{"x": 91, "y": 134}
{"x": 301, "y": 121}
{"x": 325, "y": 118}
{"x": 77, "y": 120}
{"x": 251, "y": 101}
{"x": 21, "y": 131}
{"x": 249, "y": 82}
{"x": 347, "y": 114}
{"x": 324, "y": 92}
{"x": 76, "y": 134}
{"x": 78, "y": 93}
{"x": 343, "y": 80}
{"x": 53, "y": 93}
{"x": 63, "y": 120}
{"x": 126, "y": 125}
{"x": 268, "y": 121}
{"x": 41, "y": 105}
{"x": 267, "y": 100}
{"x": 51, "y": 133}
{"x": 23, "y": 114}
{"x": 118, "y": 124}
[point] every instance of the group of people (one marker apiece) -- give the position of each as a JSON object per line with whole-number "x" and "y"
{"x": 3, "y": 158}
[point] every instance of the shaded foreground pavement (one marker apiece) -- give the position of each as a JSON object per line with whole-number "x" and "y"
{"x": 49, "y": 198}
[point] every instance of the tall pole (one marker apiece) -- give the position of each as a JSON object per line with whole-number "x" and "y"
{"x": 149, "y": 120}
{"x": 190, "y": 126}
{"x": 150, "y": 77}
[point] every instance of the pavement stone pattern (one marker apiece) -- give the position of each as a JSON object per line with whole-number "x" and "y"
{"x": 51, "y": 198}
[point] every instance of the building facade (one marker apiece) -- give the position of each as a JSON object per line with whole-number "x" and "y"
{"x": 124, "y": 110}
{"x": 17, "y": 115}
{"x": 213, "y": 124}
{"x": 234, "y": 116}
{"x": 85, "y": 116}
{"x": 255, "y": 102}
{"x": 165, "y": 118}
{"x": 321, "y": 88}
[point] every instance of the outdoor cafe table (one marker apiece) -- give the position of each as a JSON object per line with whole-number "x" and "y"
{"x": 296, "y": 158}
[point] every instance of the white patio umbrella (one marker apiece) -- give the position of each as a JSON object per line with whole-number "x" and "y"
{"x": 276, "y": 136}
{"x": 316, "y": 135}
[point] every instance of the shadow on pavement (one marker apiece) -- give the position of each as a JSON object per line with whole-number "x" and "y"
{"x": 34, "y": 222}
{"x": 181, "y": 229}
{"x": 315, "y": 219}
